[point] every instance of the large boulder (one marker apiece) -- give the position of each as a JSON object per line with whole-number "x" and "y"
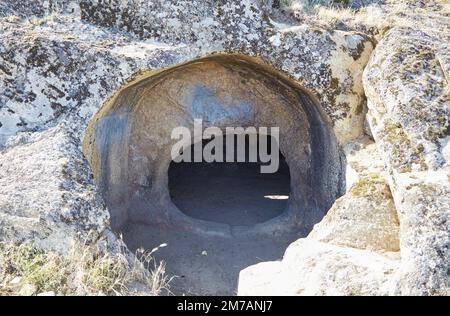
{"x": 407, "y": 85}
{"x": 366, "y": 219}
{"x": 310, "y": 267}
{"x": 47, "y": 193}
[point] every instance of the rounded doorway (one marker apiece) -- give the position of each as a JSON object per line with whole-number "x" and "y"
{"x": 233, "y": 193}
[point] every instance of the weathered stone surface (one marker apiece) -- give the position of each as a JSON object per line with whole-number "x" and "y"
{"x": 56, "y": 70}
{"x": 24, "y": 8}
{"x": 364, "y": 218}
{"x": 406, "y": 83}
{"x": 310, "y": 267}
{"x": 407, "y": 86}
{"x": 327, "y": 62}
{"x": 91, "y": 62}
{"x": 67, "y": 68}
{"x": 47, "y": 193}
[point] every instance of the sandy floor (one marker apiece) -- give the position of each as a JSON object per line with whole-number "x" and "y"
{"x": 216, "y": 271}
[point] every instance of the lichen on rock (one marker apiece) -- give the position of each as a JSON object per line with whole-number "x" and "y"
{"x": 382, "y": 70}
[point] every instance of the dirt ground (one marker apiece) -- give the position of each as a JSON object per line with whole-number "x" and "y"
{"x": 205, "y": 265}
{"x": 232, "y": 193}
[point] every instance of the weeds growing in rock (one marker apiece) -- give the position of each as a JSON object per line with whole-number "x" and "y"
{"x": 25, "y": 270}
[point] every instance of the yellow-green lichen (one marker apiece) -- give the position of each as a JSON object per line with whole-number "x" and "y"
{"x": 372, "y": 185}
{"x": 403, "y": 153}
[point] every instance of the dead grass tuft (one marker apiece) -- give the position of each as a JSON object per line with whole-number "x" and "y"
{"x": 25, "y": 270}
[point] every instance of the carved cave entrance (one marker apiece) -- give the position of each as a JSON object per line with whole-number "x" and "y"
{"x": 233, "y": 193}
{"x": 154, "y": 200}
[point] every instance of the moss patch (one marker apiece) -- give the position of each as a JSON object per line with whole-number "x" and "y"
{"x": 371, "y": 185}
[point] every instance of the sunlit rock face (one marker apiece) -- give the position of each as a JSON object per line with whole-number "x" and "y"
{"x": 409, "y": 118}
{"x": 129, "y": 141}
{"x": 61, "y": 60}
{"x": 69, "y": 65}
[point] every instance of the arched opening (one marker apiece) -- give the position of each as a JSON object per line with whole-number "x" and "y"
{"x": 233, "y": 193}
{"x": 152, "y": 201}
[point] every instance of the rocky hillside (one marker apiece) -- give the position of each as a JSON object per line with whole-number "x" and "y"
{"x": 379, "y": 69}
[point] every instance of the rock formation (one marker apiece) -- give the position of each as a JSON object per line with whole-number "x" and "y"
{"x": 381, "y": 92}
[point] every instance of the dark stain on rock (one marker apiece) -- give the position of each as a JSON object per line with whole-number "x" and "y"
{"x": 22, "y": 123}
{"x": 5, "y": 70}
{"x": 58, "y": 91}
{"x": 356, "y": 53}
{"x": 36, "y": 57}
{"x": 359, "y": 108}
{"x": 31, "y": 96}
{"x": 57, "y": 108}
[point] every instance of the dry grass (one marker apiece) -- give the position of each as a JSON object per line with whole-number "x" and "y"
{"x": 372, "y": 16}
{"x": 328, "y": 13}
{"x": 25, "y": 270}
